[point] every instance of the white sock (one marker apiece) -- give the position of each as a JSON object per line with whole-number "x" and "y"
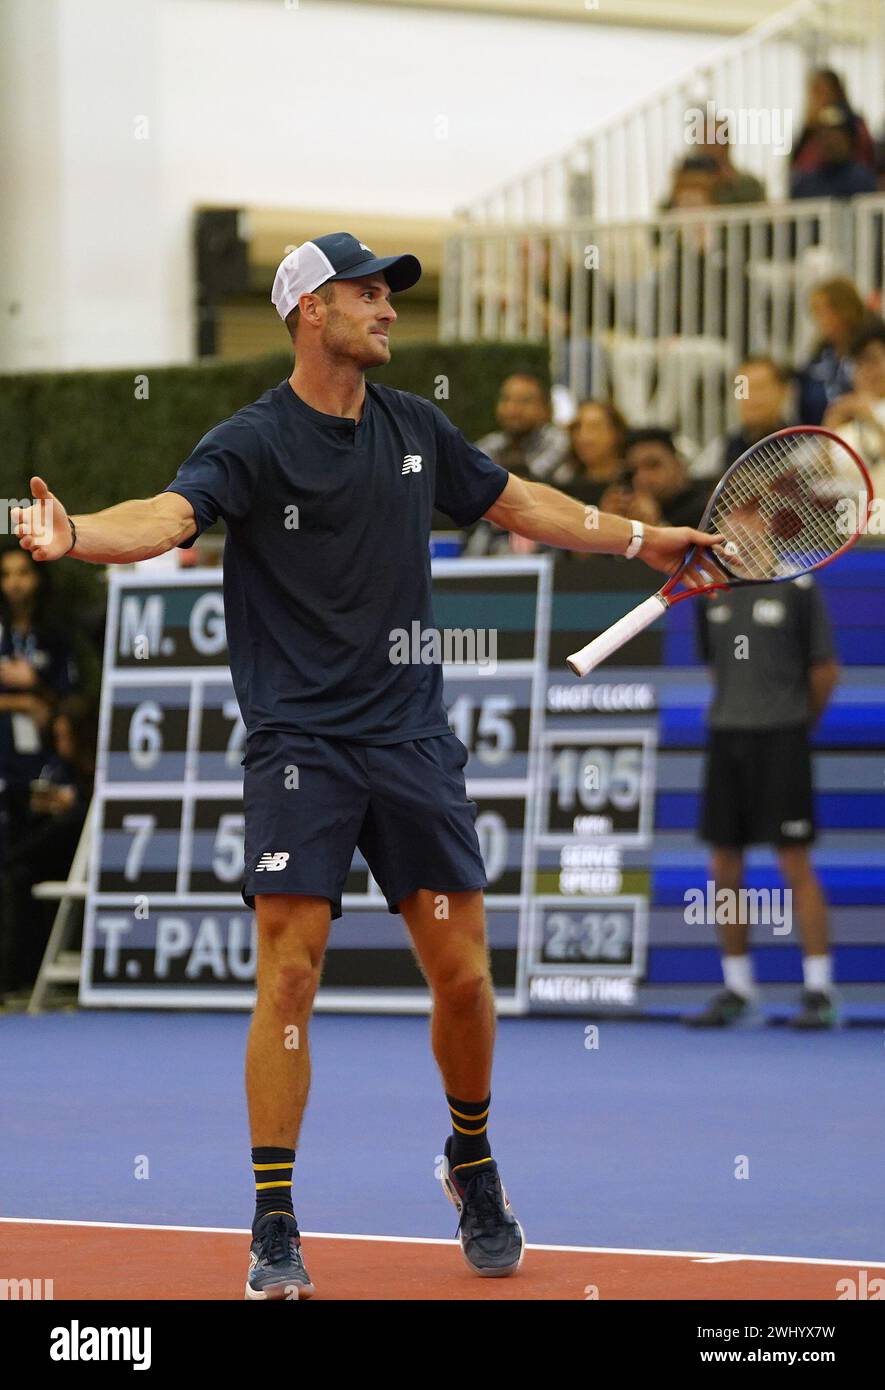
{"x": 738, "y": 973}
{"x": 817, "y": 972}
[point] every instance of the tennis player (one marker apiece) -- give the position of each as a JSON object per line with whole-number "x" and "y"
{"x": 327, "y": 484}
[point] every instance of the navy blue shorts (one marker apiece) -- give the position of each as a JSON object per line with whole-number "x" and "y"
{"x": 309, "y": 802}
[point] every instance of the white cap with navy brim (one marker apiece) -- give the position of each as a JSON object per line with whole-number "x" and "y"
{"x": 337, "y": 256}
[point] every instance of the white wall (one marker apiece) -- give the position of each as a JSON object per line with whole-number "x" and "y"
{"x": 318, "y": 104}
{"x": 30, "y": 181}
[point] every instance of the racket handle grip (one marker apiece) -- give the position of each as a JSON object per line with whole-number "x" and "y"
{"x": 617, "y": 635}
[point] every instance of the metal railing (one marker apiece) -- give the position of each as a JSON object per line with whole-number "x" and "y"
{"x": 623, "y": 168}
{"x": 659, "y": 312}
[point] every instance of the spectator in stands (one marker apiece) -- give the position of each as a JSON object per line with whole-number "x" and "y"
{"x": 693, "y": 188}
{"x": 859, "y": 415}
{"x": 596, "y": 460}
{"x": 694, "y": 184}
{"x": 36, "y": 667}
{"x": 837, "y": 174}
{"x": 729, "y": 185}
{"x": 879, "y": 160}
{"x": 527, "y": 444}
{"x": 826, "y": 89}
{"x": 597, "y": 436}
{"x": 773, "y": 667}
{"x": 59, "y": 801}
{"x": 764, "y": 404}
{"x": 655, "y": 487}
{"x": 839, "y": 314}
{"x": 691, "y": 267}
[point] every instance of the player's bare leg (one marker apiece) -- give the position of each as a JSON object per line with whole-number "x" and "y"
{"x": 454, "y": 957}
{"x": 818, "y": 1008}
{"x": 448, "y": 932}
{"x": 292, "y": 935}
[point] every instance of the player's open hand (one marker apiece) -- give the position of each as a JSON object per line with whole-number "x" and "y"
{"x": 665, "y": 547}
{"x": 43, "y": 527}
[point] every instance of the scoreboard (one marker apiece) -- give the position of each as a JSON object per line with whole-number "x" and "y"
{"x": 165, "y": 924}
{"x": 586, "y": 791}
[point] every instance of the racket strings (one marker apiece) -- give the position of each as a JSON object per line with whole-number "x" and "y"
{"x": 814, "y": 537}
{"x": 780, "y": 506}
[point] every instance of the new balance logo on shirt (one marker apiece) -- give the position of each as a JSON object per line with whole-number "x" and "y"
{"x": 412, "y": 463}
{"x": 272, "y": 862}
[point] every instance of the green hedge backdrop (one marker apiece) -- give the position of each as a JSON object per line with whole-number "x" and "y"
{"x": 99, "y": 437}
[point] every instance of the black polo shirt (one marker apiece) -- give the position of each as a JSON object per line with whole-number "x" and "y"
{"x": 761, "y": 642}
{"x": 327, "y": 555}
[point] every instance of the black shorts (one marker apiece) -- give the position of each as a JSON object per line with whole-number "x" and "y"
{"x": 757, "y": 788}
{"x": 309, "y": 802}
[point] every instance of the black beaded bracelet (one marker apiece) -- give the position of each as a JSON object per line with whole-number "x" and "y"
{"x": 73, "y": 537}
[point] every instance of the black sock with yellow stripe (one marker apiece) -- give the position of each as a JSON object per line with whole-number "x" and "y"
{"x": 470, "y": 1143}
{"x": 273, "y": 1181}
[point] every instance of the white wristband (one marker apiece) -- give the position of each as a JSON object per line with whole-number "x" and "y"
{"x": 636, "y": 543}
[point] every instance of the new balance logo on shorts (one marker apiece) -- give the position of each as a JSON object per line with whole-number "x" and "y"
{"x": 272, "y": 862}
{"x": 412, "y": 463}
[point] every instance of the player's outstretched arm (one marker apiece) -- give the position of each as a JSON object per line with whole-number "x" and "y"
{"x": 543, "y": 514}
{"x": 135, "y": 530}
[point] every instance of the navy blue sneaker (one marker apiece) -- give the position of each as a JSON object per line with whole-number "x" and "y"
{"x": 276, "y": 1269}
{"x": 817, "y": 1010}
{"x": 491, "y": 1237}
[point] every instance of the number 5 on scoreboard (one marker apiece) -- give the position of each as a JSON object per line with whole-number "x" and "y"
{"x": 227, "y": 852}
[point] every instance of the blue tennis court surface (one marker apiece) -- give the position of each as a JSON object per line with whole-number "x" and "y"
{"x": 634, "y": 1143}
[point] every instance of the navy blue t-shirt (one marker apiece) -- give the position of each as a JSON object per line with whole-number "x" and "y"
{"x": 327, "y": 555}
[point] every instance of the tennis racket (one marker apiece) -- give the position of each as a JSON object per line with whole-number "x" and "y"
{"x": 790, "y": 504}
